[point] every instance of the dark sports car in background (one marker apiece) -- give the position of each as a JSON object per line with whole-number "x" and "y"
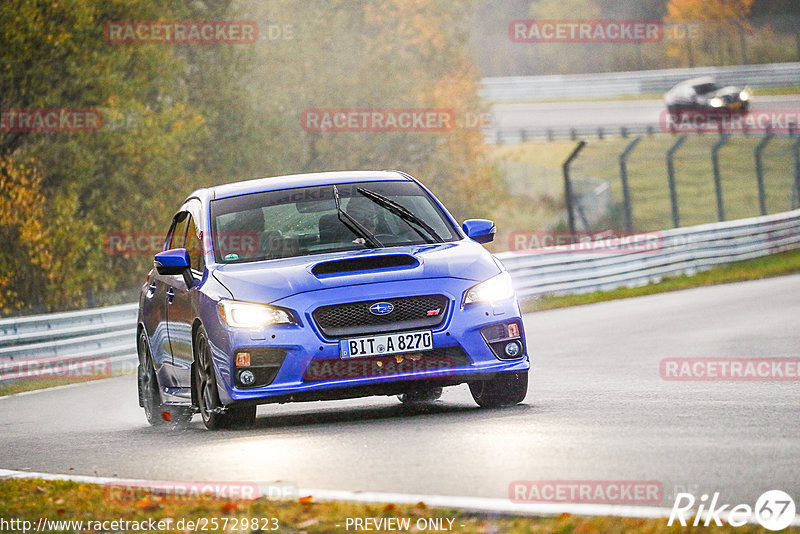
{"x": 705, "y": 95}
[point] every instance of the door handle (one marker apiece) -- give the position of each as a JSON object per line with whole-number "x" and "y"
{"x": 170, "y": 295}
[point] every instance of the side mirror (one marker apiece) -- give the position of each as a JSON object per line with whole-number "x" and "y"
{"x": 175, "y": 261}
{"x": 480, "y": 230}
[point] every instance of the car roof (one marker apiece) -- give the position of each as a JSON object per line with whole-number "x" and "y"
{"x": 702, "y": 80}
{"x": 297, "y": 180}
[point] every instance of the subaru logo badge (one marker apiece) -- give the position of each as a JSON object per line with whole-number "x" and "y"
{"x": 381, "y": 308}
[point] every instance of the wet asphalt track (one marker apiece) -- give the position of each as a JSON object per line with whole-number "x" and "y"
{"x": 596, "y": 409}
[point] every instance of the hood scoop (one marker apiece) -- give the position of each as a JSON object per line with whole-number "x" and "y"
{"x": 364, "y": 264}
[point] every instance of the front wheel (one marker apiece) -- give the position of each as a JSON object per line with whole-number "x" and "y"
{"x": 207, "y": 396}
{"x": 157, "y": 413}
{"x": 503, "y": 389}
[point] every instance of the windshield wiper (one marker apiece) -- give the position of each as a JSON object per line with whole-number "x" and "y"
{"x": 353, "y": 225}
{"x": 412, "y": 220}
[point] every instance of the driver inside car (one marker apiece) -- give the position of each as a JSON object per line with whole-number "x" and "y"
{"x": 368, "y": 214}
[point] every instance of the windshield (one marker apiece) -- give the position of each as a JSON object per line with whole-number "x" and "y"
{"x": 706, "y": 88}
{"x": 303, "y": 221}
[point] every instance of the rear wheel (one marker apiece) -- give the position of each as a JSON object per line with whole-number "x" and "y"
{"x": 420, "y": 395}
{"x": 207, "y": 396}
{"x": 503, "y": 389}
{"x": 157, "y": 413}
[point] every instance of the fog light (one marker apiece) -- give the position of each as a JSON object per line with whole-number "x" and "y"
{"x": 512, "y": 349}
{"x": 247, "y": 378}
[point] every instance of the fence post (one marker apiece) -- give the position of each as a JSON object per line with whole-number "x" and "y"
{"x": 762, "y": 194}
{"x": 723, "y": 139}
{"x": 623, "y": 173}
{"x": 796, "y": 155}
{"x": 568, "y": 186}
{"x": 673, "y": 190}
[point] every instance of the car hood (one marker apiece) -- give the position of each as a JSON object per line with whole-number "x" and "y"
{"x": 727, "y": 91}
{"x": 268, "y": 281}
{"x": 721, "y": 93}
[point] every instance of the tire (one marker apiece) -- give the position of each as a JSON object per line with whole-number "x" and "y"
{"x": 420, "y": 396}
{"x": 503, "y": 389}
{"x": 156, "y": 412}
{"x": 207, "y": 396}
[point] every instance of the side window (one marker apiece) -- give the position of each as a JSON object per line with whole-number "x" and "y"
{"x": 194, "y": 245}
{"x": 177, "y": 235}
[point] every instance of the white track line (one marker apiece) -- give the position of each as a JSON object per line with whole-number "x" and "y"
{"x": 473, "y": 504}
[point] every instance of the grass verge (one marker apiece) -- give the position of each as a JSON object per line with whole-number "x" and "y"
{"x": 536, "y": 167}
{"x": 44, "y": 383}
{"x": 31, "y": 500}
{"x": 768, "y": 266}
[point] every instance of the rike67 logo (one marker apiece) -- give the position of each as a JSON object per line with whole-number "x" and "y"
{"x": 774, "y": 510}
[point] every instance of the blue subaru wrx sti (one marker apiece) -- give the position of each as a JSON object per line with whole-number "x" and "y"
{"x": 323, "y": 286}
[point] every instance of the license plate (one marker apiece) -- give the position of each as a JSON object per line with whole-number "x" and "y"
{"x": 736, "y": 105}
{"x": 383, "y": 344}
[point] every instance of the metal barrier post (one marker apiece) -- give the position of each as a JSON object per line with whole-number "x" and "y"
{"x": 796, "y": 156}
{"x": 568, "y": 185}
{"x": 762, "y": 194}
{"x": 723, "y": 139}
{"x": 673, "y": 190}
{"x": 623, "y": 173}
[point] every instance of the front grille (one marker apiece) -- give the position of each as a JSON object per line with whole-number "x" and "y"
{"x": 354, "y": 318}
{"x": 320, "y": 369}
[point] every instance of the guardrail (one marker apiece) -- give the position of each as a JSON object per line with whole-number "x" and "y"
{"x": 36, "y": 343}
{"x": 633, "y": 83}
{"x": 110, "y": 333}
{"x": 677, "y": 251}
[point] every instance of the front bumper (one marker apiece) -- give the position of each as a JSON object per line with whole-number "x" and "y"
{"x": 312, "y": 367}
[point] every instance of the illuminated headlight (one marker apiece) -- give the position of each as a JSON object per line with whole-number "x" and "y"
{"x": 494, "y": 289}
{"x": 716, "y": 102}
{"x": 744, "y": 95}
{"x": 249, "y": 315}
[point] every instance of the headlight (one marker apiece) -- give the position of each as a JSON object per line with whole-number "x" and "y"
{"x": 716, "y": 102}
{"x": 492, "y": 290}
{"x": 744, "y": 96}
{"x": 249, "y": 315}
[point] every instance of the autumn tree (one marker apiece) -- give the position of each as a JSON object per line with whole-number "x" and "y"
{"x": 722, "y": 31}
